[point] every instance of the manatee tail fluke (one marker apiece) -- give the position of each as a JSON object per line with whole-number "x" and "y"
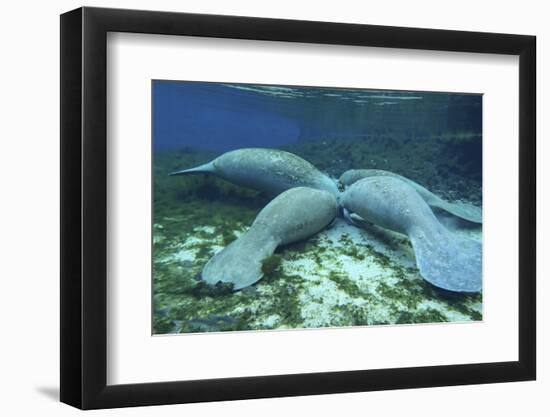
{"x": 204, "y": 169}
{"x": 463, "y": 210}
{"x": 448, "y": 261}
{"x": 240, "y": 263}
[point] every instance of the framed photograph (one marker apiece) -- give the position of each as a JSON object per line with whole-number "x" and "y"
{"x": 257, "y": 207}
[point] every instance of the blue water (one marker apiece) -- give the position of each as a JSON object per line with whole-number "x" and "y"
{"x": 220, "y": 117}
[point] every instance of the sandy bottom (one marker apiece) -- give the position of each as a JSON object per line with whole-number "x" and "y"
{"x": 344, "y": 276}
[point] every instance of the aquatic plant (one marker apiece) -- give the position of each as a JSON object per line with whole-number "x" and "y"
{"x": 345, "y": 276}
{"x": 271, "y": 264}
{"x": 436, "y": 163}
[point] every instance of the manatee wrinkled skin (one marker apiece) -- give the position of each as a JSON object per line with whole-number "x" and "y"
{"x": 269, "y": 170}
{"x": 294, "y": 215}
{"x": 444, "y": 259}
{"x": 465, "y": 211}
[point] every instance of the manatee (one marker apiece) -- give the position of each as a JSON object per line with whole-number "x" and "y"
{"x": 444, "y": 259}
{"x": 269, "y": 170}
{"x": 294, "y": 215}
{"x": 464, "y": 211}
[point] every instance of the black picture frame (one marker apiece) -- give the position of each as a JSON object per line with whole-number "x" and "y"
{"x": 84, "y": 207}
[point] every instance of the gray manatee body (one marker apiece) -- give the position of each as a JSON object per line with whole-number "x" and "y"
{"x": 465, "y": 211}
{"x": 269, "y": 170}
{"x": 444, "y": 259}
{"x": 294, "y": 215}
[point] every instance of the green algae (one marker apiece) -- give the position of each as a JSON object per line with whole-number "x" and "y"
{"x": 271, "y": 264}
{"x": 427, "y": 316}
{"x": 345, "y": 284}
{"x": 442, "y": 163}
{"x": 286, "y": 304}
{"x": 379, "y": 257}
{"x": 196, "y": 216}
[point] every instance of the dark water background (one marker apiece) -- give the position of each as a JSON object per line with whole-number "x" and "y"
{"x": 433, "y": 138}
{"x": 220, "y": 117}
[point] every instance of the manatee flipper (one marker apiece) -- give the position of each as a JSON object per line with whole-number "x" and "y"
{"x": 465, "y": 211}
{"x": 347, "y": 216}
{"x": 294, "y": 215}
{"x": 354, "y": 219}
{"x": 444, "y": 259}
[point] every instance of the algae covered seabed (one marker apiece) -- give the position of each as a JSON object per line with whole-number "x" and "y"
{"x": 343, "y": 276}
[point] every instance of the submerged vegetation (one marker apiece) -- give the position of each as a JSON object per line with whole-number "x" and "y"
{"x": 449, "y": 165}
{"x": 344, "y": 276}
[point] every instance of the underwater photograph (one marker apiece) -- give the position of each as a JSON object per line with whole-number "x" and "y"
{"x": 280, "y": 207}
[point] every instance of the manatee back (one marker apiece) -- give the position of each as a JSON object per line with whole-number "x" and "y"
{"x": 388, "y": 202}
{"x": 353, "y": 175}
{"x": 271, "y": 170}
{"x": 465, "y": 211}
{"x": 297, "y": 214}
